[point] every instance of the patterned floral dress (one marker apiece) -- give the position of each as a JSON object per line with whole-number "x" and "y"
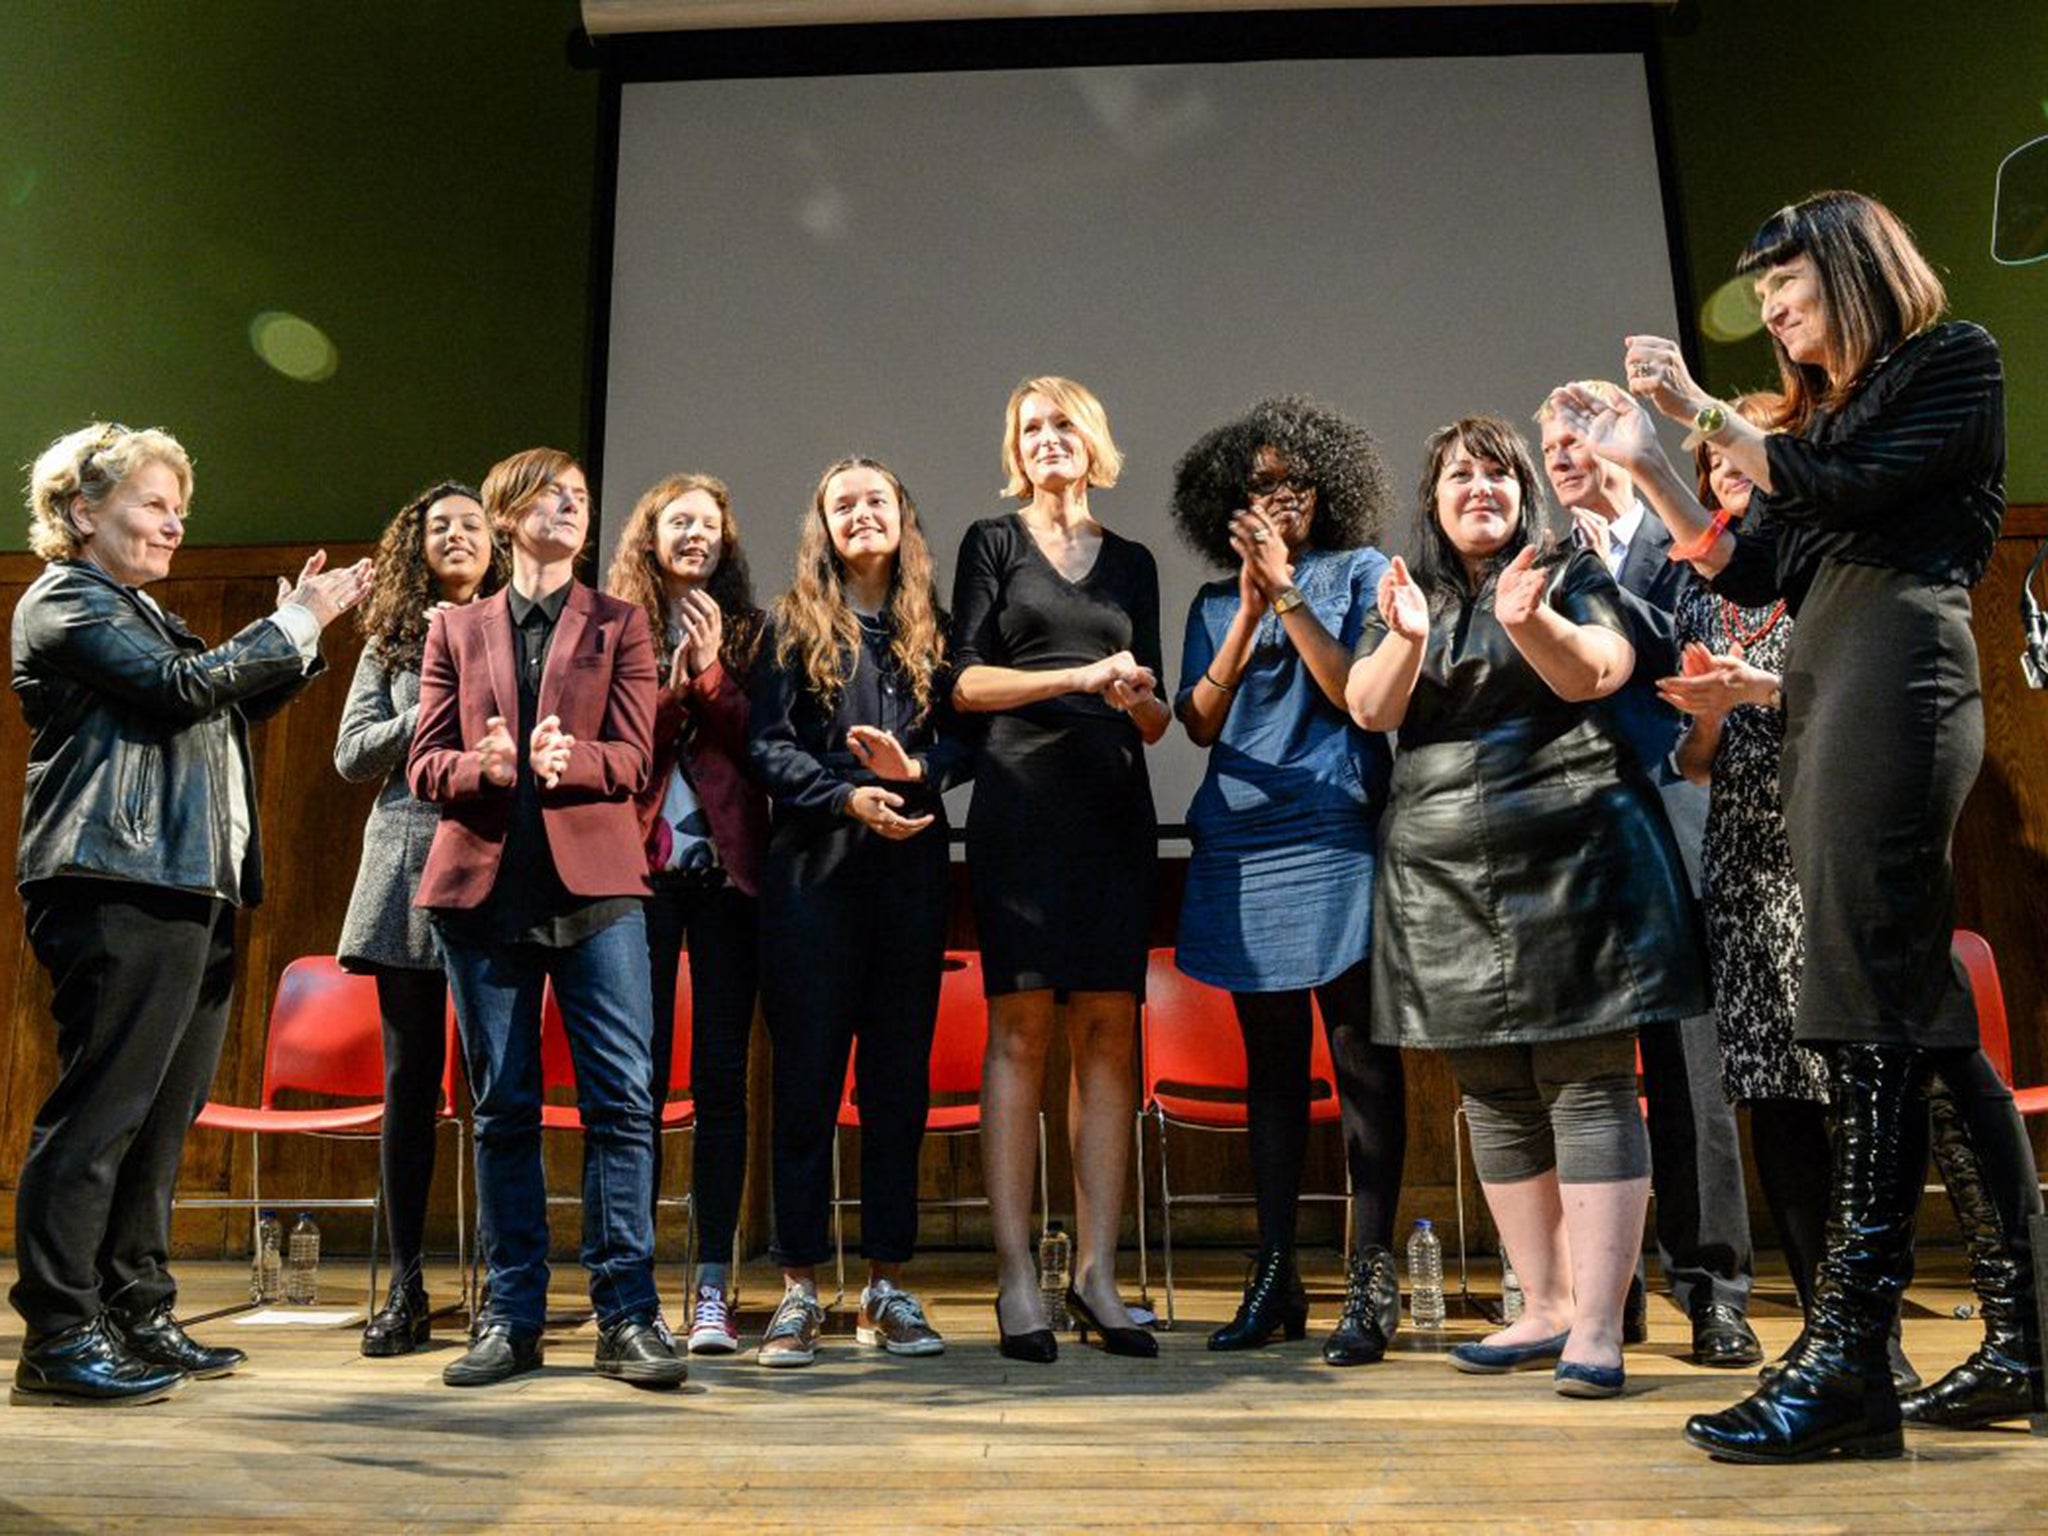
{"x": 1755, "y": 941}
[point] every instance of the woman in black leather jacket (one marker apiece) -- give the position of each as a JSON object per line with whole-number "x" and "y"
{"x": 138, "y": 841}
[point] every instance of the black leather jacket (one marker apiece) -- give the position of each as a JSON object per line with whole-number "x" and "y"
{"x": 136, "y": 729}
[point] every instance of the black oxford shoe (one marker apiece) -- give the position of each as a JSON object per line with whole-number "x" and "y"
{"x": 1722, "y": 1337}
{"x": 88, "y": 1367}
{"x": 156, "y": 1337}
{"x": 400, "y": 1327}
{"x": 499, "y": 1353}
{"x": 642, "y": 1352}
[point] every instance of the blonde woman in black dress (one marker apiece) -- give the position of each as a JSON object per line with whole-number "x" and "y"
{"x": 1056, "y": 635}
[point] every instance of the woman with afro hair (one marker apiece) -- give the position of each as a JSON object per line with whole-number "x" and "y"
{"x": 1278, "y": 905}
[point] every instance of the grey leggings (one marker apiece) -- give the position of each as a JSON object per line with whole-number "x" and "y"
{"x": 1569, "y": 1105}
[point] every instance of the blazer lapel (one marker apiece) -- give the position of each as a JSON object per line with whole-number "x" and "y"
{"x": 1646, "y": 559}
{"x": 495, "y": 620}
{"x": 568, "y": 634}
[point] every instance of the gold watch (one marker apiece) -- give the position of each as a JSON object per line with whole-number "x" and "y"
{"x": 1709, "y": 419}
{"x": 1287, "y": 600}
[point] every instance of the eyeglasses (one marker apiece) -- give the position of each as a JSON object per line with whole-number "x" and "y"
{"x": 1266, "y": 487}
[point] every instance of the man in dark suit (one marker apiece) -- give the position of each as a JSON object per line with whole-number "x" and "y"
{"x": 536, "y": 731}
{"x": 1702, "y": 1211}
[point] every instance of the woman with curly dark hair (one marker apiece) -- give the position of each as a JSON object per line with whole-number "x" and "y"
{"x": 707, "y": 822}
{"x": 1278, "y": 906}
{"x": 437, "y": 551}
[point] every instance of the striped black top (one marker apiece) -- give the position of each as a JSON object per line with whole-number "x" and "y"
{"x": 1910, "y": 474}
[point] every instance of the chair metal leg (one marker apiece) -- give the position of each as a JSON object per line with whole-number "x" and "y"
{"x": 1044, "y": 1180}
{"x": 1144, "y": 1250}
{"x": 376, "y": 1231}
{"x": 1165, "y": 1215}
{"x": 1458, "y": 1180}
{"x": 838, "y": 1224}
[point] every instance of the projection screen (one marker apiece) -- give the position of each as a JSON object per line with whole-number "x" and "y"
{"x": 804, "y": 268}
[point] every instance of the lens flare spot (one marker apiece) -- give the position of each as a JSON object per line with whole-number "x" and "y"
{"x": 1731, "y": 312}
{"x": 296, "y": 348}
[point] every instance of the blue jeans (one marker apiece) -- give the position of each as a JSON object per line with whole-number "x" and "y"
{"x": 601, "y": 986}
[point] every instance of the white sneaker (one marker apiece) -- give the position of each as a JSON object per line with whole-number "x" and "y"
{"x": 892, "y": 1319}
{"x": 711, "y": 1326}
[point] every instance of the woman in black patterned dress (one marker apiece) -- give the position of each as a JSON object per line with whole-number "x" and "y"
{"x": 1734, "y": 663}
{"x": 1878, "y": 500}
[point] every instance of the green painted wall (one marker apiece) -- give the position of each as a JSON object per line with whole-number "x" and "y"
{"x": 418, "y": 179}
{"x": 1912, "y": 101}
{"x": 415, "y": 177}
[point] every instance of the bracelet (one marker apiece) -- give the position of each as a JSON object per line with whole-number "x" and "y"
{"x": 1209, "y": 678}
{"x": 1700, "y": 548}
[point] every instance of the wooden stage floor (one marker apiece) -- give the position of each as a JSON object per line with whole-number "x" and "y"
{"x": 311, "y": 1437}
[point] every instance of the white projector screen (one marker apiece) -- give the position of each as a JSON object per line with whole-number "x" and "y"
{"x": 805, "y": 268}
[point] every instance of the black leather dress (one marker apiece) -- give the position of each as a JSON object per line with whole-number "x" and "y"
{"x": 1529, "y": 887}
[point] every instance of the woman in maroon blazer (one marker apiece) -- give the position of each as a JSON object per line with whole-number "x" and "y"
{"x": 679, "y": 559}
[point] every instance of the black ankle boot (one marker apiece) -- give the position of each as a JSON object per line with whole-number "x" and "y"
{"x": 401, "y": 1324}
{"x": 1273, "y": 1298}
{"x": 1836, "y": 1395}
{"x": 1372, "y": 1311}
{"x": 2002, "y": 1380}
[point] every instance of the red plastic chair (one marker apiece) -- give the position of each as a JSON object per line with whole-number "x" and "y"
{"x": 1993, "y": 1031}
{"x": 1193, "y": 1076}
{"x": 325, "y": 1037}
{"x": 959, "y": 1045}
{"x": 675, "y": 1116}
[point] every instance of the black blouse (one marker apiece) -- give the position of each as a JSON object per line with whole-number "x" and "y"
{"x": 1910, "y": 475}
{"x": 1011, "y": 608}
{"x": 797, "y": 743}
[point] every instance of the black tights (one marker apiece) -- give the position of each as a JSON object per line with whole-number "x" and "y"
{"x": 414, "y": 1006}
{"x": 1372, "y": 1096}
{"x": 1789, "y": 1140}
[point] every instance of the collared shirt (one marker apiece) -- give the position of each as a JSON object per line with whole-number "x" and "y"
{"x": 1621, "y": 532}
{"x": 528, "y": 903}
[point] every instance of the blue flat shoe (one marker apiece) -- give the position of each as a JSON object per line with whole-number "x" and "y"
{"x": 1575, "y": 1380}
{"x": 1498, "y": 1359}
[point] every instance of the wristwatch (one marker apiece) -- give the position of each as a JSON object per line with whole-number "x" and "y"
{"x": 1710, "y": 418}
{"x": 1287, "y": 600}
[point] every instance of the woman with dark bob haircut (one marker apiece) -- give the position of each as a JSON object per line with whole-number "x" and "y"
{"x": 1531, "y": 911}
{"x": 1278, "y": 907}
{"x": 437, "y": 552}
{"x": 1876, "y": 505}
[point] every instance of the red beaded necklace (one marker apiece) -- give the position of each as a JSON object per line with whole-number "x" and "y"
{"x": 1731, "y": 620}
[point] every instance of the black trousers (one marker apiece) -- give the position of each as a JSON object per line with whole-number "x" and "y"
{"x": 1372, "y": 1100}
{"x": 851, "y": 949}
{"x": 413, "y": 1006}
{"x": 1701, "y": 1213}
{"x": 722, "y": 926}
{"x": 141, "y": 979}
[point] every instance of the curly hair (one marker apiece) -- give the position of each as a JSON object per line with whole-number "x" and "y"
{"x": 1439, "y": 568}
{"x": 403, "y": 592}
{"x": 637, "y": 575}
{"x": 815, "y": 623}
{"x": 1324, "y": 449}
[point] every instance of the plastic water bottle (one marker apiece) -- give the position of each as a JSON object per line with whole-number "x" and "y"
{"x": 266, "y": 1268}
{"x": 1511, "y": 1299}
{"x": 1055, "y": 1273}
{"x": 1425, "y": 1276}
{"x": 302, "y": 1275}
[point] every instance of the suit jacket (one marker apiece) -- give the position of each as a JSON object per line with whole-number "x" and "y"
{"x": 1651, "y": 585}
{"x": 599, "y": 680}
{"x": 714, "y": 705}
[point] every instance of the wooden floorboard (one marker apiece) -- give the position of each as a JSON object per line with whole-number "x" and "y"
{"x": 310, "y": 1437}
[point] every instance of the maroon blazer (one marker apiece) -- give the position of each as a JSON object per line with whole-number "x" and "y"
{"x": 600, "y": 681}
{"x": 734, "y": 804}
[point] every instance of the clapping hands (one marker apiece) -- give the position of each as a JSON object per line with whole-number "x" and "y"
{"x": 1518, "y": 591}
{"x": 1403, "y": 604}
{"x": 326, "y": 594}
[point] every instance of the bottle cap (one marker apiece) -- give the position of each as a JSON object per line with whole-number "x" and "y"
{"x": 1422, "y": 1224}
{"x": 1052, "y": 1227}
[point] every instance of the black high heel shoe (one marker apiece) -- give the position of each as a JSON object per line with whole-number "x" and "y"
{"x": 1038, "y": 1347}
{"x": 1134, "y": 1342}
